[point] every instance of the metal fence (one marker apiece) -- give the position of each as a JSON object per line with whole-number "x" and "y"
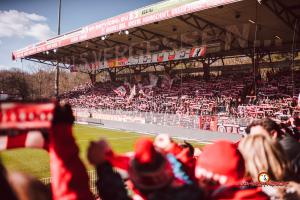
{"x": 92, "y": 178}
{"x": 162, "y": 119}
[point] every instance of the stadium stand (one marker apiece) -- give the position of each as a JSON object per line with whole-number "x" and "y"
{"x": 264, "y": 164}
{"x": 229, "y": 96}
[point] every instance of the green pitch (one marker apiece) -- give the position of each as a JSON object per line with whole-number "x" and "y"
{"x": 36, "y": 162}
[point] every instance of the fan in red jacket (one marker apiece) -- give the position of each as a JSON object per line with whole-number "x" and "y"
{"x": 152, "y": 175}
{"x": 69, "y": 178}
{"x": 220, "y": 169}
{"x": 184, "y": 153}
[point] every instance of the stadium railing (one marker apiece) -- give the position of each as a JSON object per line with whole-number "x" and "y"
{"x": 226, "y": 124}
{"x": 92, "y": 177}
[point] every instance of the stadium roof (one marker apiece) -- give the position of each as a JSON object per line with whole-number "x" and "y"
{"x": 226, "y": 27}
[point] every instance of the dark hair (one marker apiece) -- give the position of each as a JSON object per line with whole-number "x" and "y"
{"x": 292, "y": 150}
{"x": 268, "y": 124}
{"x": 188, "y": 145}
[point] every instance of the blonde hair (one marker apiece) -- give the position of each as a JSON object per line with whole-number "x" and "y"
{"x": 263, "y": 154}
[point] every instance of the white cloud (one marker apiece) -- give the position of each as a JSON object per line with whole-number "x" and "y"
{"x": 15, "y": 23}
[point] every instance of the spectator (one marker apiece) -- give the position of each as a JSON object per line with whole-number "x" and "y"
{"x": 220, "y": 170}
{"x": 69, "y": 176}
{"x": 226, "y": 95}
{"x": 263, "y": 154}
{"x": 265, "y": 126}
{"x": 292, "y": 151}
{"x": 152, "y": 175}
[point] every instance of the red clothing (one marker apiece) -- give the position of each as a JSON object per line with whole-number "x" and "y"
{"x": 119, "y": 161}
{"x": 69, "y": 178}
{"x": 237, "y": 193}
{"x": 188, "y": 161}
{"x": 237, "y": 144}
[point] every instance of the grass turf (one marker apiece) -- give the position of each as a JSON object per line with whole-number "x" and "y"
{"x": 36, "y": 162}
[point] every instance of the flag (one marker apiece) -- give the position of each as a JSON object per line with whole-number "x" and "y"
{"x": 167, "y": 82}
{"x": 121, "y": 91}
{"x": 197, "y": 52}
{"x": 132, "y": 93}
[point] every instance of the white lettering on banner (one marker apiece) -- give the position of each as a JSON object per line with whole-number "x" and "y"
{"x": 122, "y": 26}
{"x": 112, "y": 28}
{"x": 154, "y": 57}
{"x": 180, "y": 10}
{"x": 156, "y": 17}
{"x": 135, "y": 22}
{"x": 128, "y": 20}
{"x": 124, "y": 18}
{"x": 164, "y": 56}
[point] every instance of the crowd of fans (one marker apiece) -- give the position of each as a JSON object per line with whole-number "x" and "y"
{"x": 262, "y": 165}
{"x": 231, "y": 95}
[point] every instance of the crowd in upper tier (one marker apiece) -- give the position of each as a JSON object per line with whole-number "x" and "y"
{"x": 231, "y": 95}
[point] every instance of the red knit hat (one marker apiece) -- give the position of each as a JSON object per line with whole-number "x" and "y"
{"x": 149, "y": 169}
{"x": 221, "y": 162}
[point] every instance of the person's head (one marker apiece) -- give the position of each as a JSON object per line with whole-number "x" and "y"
{"x": 292, "y": 151}
{"x": 165, "y": 144}
{"x": 265, "y": 126}
{"x": 263, "y": 154}
{"x": 220, "y": 163}
{"x": 149, "y": 169}
{"x": 189, "y": 146}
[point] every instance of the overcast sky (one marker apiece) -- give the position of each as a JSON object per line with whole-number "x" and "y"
{"x": 23, "y": 22}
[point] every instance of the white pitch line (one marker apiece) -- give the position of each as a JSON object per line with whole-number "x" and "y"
{"x": 114, "y": 138}
{"x": 153, "y": 134}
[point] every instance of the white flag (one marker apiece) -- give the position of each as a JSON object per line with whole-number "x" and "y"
{"x": 167, "y": 82}
{"x": 132, "y": 93}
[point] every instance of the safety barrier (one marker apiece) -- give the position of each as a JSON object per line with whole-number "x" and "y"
{"x": 92, "y": 178}
{"x": 205, "y": 122}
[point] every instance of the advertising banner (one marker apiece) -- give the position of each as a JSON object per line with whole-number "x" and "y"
{"x": 150, "y": 14}
{"x": 164, "y": 56}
